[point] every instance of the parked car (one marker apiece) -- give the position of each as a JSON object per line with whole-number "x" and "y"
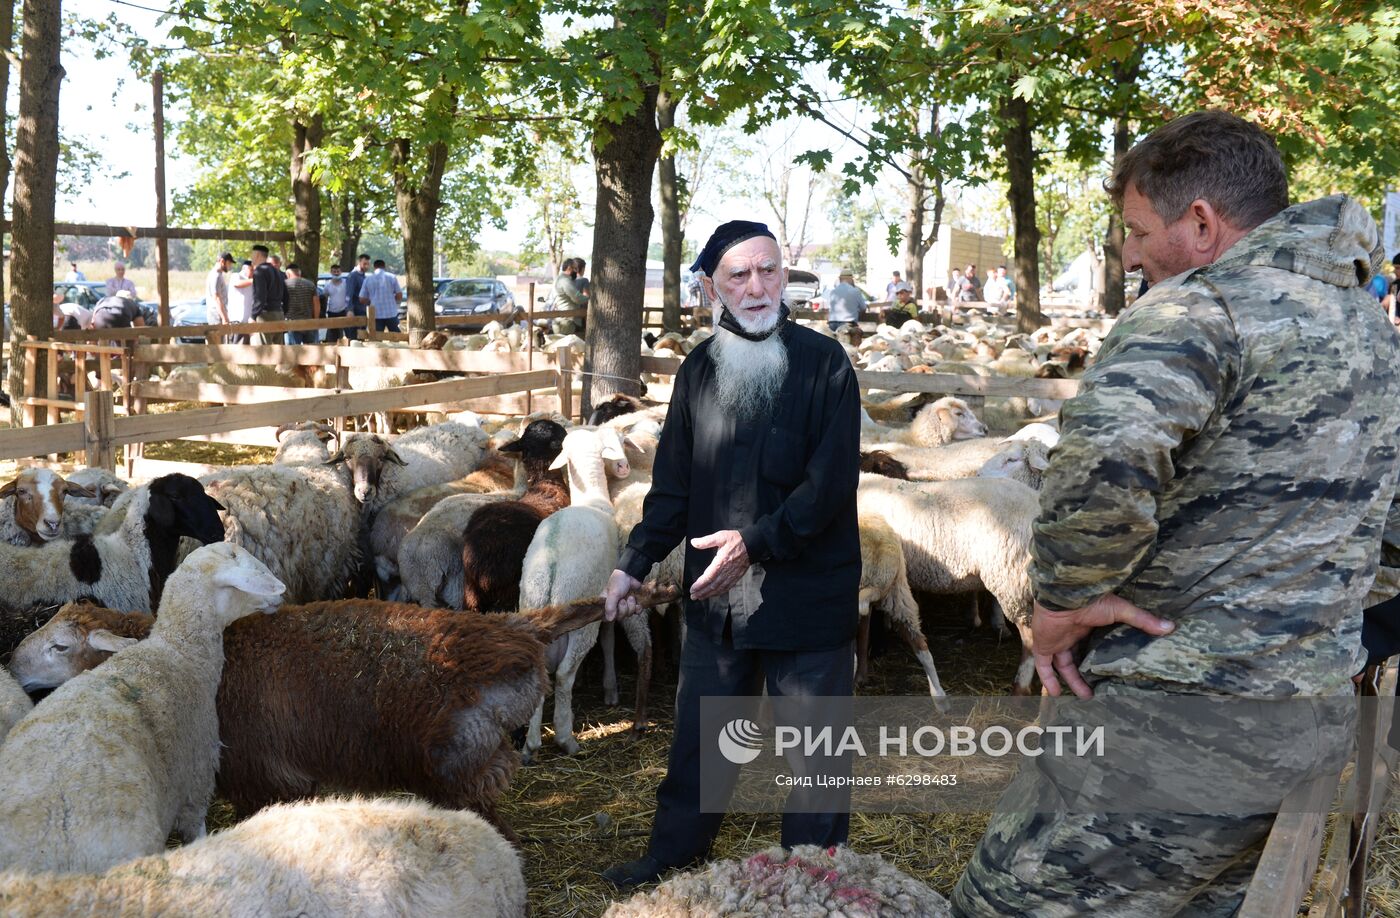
{"x": 189, "y": 312}
{"x": 801, "y": 289}
{"x": 471, "y": 296}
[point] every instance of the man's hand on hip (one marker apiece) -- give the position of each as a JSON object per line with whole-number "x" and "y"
{"x": 1054, "y": 635}
{"x": 731, "y": 560}
{"x": 617, "y": 598}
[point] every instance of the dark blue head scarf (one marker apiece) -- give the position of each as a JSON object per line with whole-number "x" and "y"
{"x": 724, "y": 238}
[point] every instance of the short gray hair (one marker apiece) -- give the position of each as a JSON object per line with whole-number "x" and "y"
{"x": 1210, "y": 155}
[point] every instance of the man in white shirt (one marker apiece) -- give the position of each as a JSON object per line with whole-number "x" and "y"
{"x": 382, "y": 291}
{"x": 895, "y": 285}
{"x": 119, "y": 283}
{"x": 337, "y": 303}
{"x": 216, "y": 291}
{"x": 73, "y": 273}
{"x": 240, "y": 299}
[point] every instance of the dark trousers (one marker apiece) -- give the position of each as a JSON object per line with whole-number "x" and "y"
{"x": 384, "y": 325}
{"x": 335, "y": 334}
{"x": 681, "y": 833}
{"x": 357, "y": 309}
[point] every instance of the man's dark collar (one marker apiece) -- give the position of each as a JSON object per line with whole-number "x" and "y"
{"x": 731, "y": 324}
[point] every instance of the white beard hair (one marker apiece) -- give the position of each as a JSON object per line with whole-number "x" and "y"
{"x": 749, "y": 375}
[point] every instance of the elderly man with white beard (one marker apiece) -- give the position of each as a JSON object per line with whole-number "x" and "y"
{"x": 757, "y": 469}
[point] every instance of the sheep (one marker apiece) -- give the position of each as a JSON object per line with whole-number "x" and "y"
{"x": 378, "y": 858}
{"x": 113, "y": 761}
{"x": 961, "y": 459}
{"x": 430, "y": 455}
{"x": 297, "y": 516}
{"x": 104, "y": 485}
{"x": 880, "y": 462}
{"x": 14, "y": 703}
{"x": 236, "y": 374}
{"x": 571, "y": 555}
{"x": 618, "y": 405}
{"x": 398, "y": 517}
{"x": 124, "y": 564}
{"x": 884, "y": 582}
{"x": 1022, "y": 460}
{"x": 430, "y": 555}
{"x": 944, "y": 421}
{"x": 808, "y": 880}
{"x": 963, "y": 534}
{"x": 38, "y": 510}
{"x": 496, "y": 538}
{"x": 367, "y": 695}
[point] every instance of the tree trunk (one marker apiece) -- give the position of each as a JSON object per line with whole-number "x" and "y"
{"x": 624, "y": 165}
{"x": 306, "y": 197}
{"x": 418, "y": 208}
{"x": 351, "y": 214}
{"x": 916, "y": 191}
{"x": 36, "y": 169}
{"x": 1020, "y": 174}
{"x": 7, "y": 43}
{"x": 1113, "y": 274}
{"x": 671, "y": 237}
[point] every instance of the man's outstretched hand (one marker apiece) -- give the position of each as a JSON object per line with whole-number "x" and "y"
{"x": 1055, "y": 634}
{"x": 618, "y": 601}
{"x": 730, "y": 562}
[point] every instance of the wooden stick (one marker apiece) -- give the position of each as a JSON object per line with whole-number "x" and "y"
{"x": 98, "y": 421}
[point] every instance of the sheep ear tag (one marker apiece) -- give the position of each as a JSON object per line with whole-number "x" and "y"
{"x": 107, "y": 642}
{"x": 249, "y": 580}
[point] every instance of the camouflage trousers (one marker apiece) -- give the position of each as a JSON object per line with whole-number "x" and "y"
{"x": 1065, "y": 843}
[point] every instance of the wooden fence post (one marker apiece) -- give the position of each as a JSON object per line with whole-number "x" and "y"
{"x": 530, "y": 342}
{"x": 98, "y": 421}
{"x": 565, "y": 356}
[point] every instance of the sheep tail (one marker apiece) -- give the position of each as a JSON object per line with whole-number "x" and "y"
{"x": 553, "y": 621}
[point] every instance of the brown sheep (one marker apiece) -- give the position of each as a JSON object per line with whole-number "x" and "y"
{"x": 367, "y": 696}
{"x": 880, "y": 462}
{"x": 497, "y": 536}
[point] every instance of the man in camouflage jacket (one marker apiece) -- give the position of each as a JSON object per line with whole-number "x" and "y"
{"x": 1211, "y": 520}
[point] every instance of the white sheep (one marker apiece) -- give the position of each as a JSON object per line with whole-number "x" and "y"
{"x": 944, "y": 421}
{"x": 104, "y": 485}
{"x": 372, "y": 858}
{"x": 1022, "y": 460}
{"x": 297, "y": 516}
{"x": 884, "y": 584}
{"x": 961, "y": 535}
{"x": 808, "y": 880}
{"x": 571, "y": 556}
{"x": 116, "y": 758}
{"x": 14, "y": 703}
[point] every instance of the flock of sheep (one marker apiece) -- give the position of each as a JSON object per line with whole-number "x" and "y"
{"x": 490, "y": 541}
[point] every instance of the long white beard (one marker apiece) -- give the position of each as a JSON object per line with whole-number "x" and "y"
{"x": 748, "y": 374}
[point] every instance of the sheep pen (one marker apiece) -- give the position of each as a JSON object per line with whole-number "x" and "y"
{"x": 575, "y": 815}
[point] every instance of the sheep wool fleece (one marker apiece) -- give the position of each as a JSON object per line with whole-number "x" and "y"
{"x": 1229, "y": 465}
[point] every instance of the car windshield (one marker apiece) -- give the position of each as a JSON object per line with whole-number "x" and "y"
{"x": 468, "y": 288}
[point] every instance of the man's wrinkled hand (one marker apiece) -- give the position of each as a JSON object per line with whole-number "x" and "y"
{"x": 618, "y": 601}
{"x": 1055, "y": 634}
{"x": 730, "y": 562}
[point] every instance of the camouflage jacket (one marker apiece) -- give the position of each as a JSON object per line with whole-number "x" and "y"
{"x": 1230, "y": 464}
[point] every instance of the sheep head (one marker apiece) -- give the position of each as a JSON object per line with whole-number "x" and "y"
{"x": 366, "y": 455}
{"x": 79, "y": 637}
{"x": 38, "y": 495}
{"x": 221, "y": 581}
{"x": 1023, "y": 460}
{"x": 957, "y": 420}
{"x": 179, "y": 506}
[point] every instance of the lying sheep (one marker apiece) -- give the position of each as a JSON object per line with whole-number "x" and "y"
{"x": 371, "y": 858}
{"x": 776, "y": 883}
{"x": 104, "y": 485}
{"x": 1020, "y": 460}
{"x": 113, "y": 761}
{"x": 34, "y": 508}
{"x": 14, "y": 703}
{"x": 366, "y": 695}
{"x": 124, "y": 563}
{"x": 961, "y": 535}
{"x": 944, "y": 421}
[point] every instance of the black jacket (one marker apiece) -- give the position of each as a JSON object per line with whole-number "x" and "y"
{"x": 269, "y": 289}
{"x": 785, "y": 480}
